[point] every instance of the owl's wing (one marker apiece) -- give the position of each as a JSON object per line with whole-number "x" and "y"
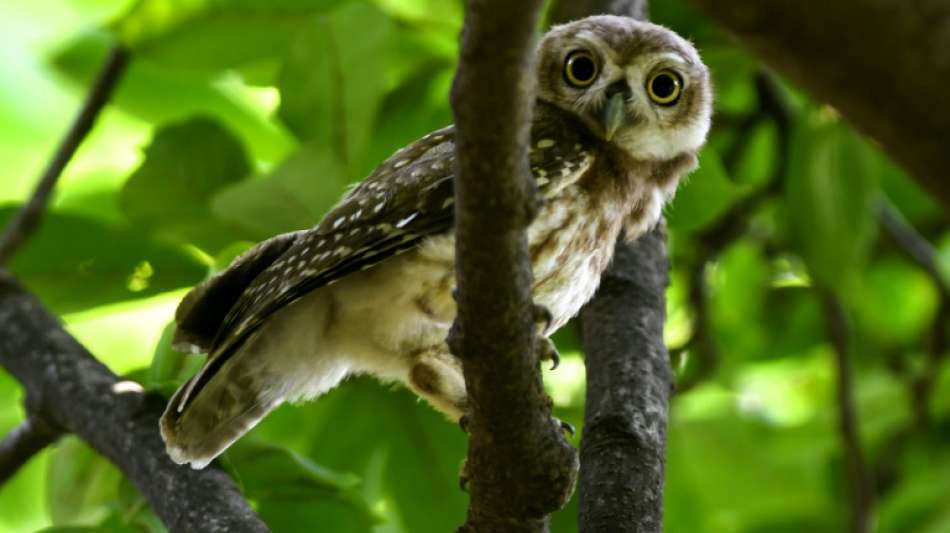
{"x": 408, "y": 198}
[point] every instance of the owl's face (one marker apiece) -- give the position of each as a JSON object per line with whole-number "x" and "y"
{"x": 635, "y": 84}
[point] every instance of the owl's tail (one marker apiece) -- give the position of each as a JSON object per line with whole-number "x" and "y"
{"x": 215, "y": 407}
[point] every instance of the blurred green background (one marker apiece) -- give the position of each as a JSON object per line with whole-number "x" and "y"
{"x": 239, "y": 119}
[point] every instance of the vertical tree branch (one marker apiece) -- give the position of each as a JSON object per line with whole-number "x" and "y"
{"x": 28, "y": 218}
{"x": 860, "y": 484}
{"x": 629, "y": 381}
{"x": 520, "y": 467}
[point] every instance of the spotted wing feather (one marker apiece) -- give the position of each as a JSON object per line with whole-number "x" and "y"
{"x": 407, "y": 199}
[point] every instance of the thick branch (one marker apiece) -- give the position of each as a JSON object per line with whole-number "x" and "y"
{"x": 72, "y": 390}
{"x": 520, "y": 467}
{"x": 860, "y": 484}
{"x": 882, "y": 91}
{"x": 22, "y": 443}
{"x": 28, "y": 218}
{"x": 629, "y": 381}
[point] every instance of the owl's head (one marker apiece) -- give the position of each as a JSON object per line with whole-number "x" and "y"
{"x": 635, "y": 84}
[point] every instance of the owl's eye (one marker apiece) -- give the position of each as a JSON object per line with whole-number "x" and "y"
{"x": 665, "y": 87}
{"x": 580, "y": 69}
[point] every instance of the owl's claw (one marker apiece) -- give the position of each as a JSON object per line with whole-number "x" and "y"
{"x": 547, "y": 351}
{"x": 566, "y": 427}
{"x": 463, "y": 423}
{"x": 542, "y": 315}
{"x": 463, "y": 476}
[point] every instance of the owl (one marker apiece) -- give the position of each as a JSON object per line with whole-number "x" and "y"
{"x": 622, "y": 109}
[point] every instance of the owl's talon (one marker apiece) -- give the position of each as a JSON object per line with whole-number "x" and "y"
{"x": 455, "y": 294}
{"x": 566, "y": 427}
{"x": 542, "y": 315}
{"x": 463, "y": 476}
{"x": 463, "y": 423}
{"x": 547, "y": 351}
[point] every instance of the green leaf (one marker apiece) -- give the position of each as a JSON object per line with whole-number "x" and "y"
{"x": 215, "y": 34}
{"x": 738, "y": 289}
{"x": 405, "y": 452}
{"x": 334, "y": 78}
{"x": 81, "y": 484}
{"x": 75, "y": 263}
{"x": 145, "y": 88}
{"x": 705, "y": 195}
{"x": 896, "y": 304}
{"x": 291, "y": 490}
{"x": 830, "y": 189}
{"x": 294, "y": 196}
{"x": 184, "y": 166}
{"x": 169, "y": 368}
{"x": 269, "y": 471}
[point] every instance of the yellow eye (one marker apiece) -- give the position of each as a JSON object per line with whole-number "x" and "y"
{"x": 665, "y": 87}
{"x": 580, "y": 69}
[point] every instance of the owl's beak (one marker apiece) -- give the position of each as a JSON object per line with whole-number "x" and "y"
{"x": 613, "y": 115}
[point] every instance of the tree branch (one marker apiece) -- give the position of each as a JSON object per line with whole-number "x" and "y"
{"x": 25, "y": 222}
{"x": 629, "y": 382}
{"x": 906, "y": 112}
{"x": 912, "y": 243}
{"x": 520, "y": 467}
{"x": 860, "y": 484}
{"x": 22, "y": 443}
{"x": 69, "y": 388}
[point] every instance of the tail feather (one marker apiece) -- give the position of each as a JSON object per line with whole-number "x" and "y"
{"x": 228, "y": 404}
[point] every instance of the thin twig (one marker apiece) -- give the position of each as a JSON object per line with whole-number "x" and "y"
{"x": 25, "y": 222}
{"x": 860, "y": 484}
{"x": 911, "y": 242}
{"x": 22, "y": 443}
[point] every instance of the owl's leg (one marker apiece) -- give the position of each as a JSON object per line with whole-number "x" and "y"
{"x": 436, "y": 375}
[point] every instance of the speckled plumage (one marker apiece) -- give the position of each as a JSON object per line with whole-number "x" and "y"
{"x": 368, "y": 290}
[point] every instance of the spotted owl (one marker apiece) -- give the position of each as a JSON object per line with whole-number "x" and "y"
{"x": 622, "y": 110}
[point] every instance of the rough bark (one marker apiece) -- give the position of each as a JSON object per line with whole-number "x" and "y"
{"x": 520, "y": 468}
{"x": 71, "y": 390}
{"x": 892, "y": 86}
{"x": 629, "y": 382}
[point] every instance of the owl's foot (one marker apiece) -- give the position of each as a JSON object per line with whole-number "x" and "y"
{"x": 566, "y": 427}
{"x": 542, "y": 318}
{"x": 546, "y": 350}
{"x": 463, "y": 476}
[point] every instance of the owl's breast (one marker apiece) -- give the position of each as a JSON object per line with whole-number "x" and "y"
{"x": 571, "y": 243}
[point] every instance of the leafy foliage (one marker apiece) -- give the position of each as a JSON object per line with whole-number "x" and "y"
{"x": 240, "y": 119}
